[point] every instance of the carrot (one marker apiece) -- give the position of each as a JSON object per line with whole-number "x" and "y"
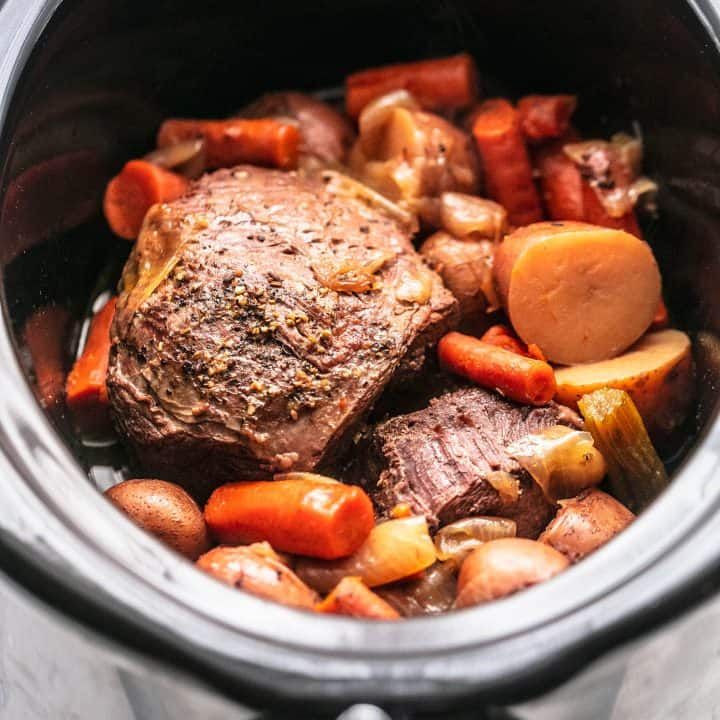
{"x": 44, "y": 333}
{"x": 545, "y": 116}
{"x": 523, "y": 379}
{"x": 501, "y": 336}
{"x": 508, "y": 173}
{"x": 568, "y": 196}
{"x": 263, "y": 141}
{"x": 661, "y": 321}
{"x": 319, "y": 518}
{"x": 440, "y": 84}
{"x": 352, "y": 597}
{"x": 85, "y": 389}
{"x": 134, "y": 191}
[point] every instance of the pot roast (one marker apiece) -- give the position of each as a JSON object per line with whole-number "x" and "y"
{"x": 259, "y": 318}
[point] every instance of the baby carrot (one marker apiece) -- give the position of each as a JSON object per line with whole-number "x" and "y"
{"x": 508, "y": 173}
{"x": 438, "y": 84}
{"x": 319, "y": 518}
{"x": 522, "y": 379}
{"x": 131, "y": 194}
{"x": 545, "y": 116}
{"x": 263, "y": 141}
{"x": 352, "y": 597}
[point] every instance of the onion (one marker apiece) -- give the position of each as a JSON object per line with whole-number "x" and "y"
{"x": 455, "y": 541}
{"x": 305, "y": 476}
{"x": 187, "y": 157}
{"x": 415, "y": 286}
{"x": 394, "y": 550}
{"x": 468, "y": 216}
{"x": 432, "y": 593}
{"x": 506, "y": 485}
{"x": 375, "y": 115}
{"x": 347, "y": 275}
{"x": 340, "y": 184}
{"x": 630, "y": 152}
{"x": 562, "y": 461}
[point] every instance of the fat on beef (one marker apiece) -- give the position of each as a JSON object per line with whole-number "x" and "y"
{"x": 438, "y": 459}
{"x": 232, "y": 356}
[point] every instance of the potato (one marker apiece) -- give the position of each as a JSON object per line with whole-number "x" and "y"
{"x": 466, "y": 269}
{"x": 585, "y": 523}
{"x": 503, "y": 567}
{"x": 255, "y": 569}
{"x": 657, "y": 373}
{"x": 165, "y": 510}
{"x": 581, "y": 293}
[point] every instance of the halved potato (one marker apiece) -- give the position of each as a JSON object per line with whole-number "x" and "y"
{"x": 657, "y": 373}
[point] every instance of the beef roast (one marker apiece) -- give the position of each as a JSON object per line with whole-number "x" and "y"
{"x": 437, "y": 459}
{"x": 232, "y": 356}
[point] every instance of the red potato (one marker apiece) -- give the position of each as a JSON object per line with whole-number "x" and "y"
{"x": 256, "y": 571}
{"x": 164, "y": 510}
{"x": 503, "y": 567}
{"x": 352, "y": 597}
{"x": 439, "y": 84}
{"x": 657, "y": 373}
{"x": 307, "y": 515}
{"x": 585, "y": 523}
{"x": 581, "y": 293}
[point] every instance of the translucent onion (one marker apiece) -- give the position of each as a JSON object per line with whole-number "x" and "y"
{"x": 375, "y": 114}
{"x": 394, "y": 550}
{"x": 340, "y": 184}
{"x": 468, "y": 216}
{"x": 434, "y": 592}
{"x": 187, "y": 157}
{"x": 415, "y": 286}
{"x": 348, "y": 275}
{"x": 505, "y": 484}
{"x": 312, "y": 477}
{"x": 562, "y": 461}
{"x": 455, "y": 541}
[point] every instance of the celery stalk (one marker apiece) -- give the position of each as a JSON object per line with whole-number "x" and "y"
{"x": 637, "y": 475}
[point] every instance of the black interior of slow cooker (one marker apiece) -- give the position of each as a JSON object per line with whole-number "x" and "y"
{"x": 105, "y": 73}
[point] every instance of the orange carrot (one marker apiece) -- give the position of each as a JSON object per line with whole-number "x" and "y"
{"x": 263, "y": 141}
{"x": 352, "y": 597}
{"x": 545, "y": 116}
{"x": 662, "y": 317}
{"x": 130, "y": 195}
{"x": 85, "y": 389}
{"x": 44, "y": 334}
{"x": 439, "y": 84}
{"x": 568, "y": 196}
{"x": 319, "y": 518}
{"x": 523, "y": 379}
{"x": 502, "y": 337}
{"x": 508, "y": 173}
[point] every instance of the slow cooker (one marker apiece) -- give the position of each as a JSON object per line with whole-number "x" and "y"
{"x": 84, "y": 85}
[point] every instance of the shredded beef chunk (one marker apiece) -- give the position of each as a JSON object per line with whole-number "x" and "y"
{"x": 260, "y": 317}
{"x": 437, "y": 459}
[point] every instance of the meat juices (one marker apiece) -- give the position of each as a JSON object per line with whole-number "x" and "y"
{"x": 437, "y": 460}
{"x": 231, "y": 359}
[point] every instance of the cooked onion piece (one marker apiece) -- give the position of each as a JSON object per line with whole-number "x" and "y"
{"x": 348, "y": 275}
{"x": 187, "y": 157}
{"x": 455, "y": 541}
{"x": 434, "y": 592}
{"x": 505, "y": 484}
{"x": 375, "y": 114}
{"x": 503, "y": 567}
{"x": 561, "y": 460}
{"x": 395, "y": 549}
{"x": 469, "y": 216}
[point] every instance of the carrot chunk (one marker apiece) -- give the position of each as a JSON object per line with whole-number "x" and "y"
{"x": 545, "y": 116}
{"x": 263, "y": 141}
{"x": 44, "y": 334}
{"x": 319, "y": 518}
{"x": 352, "y": 597}
{"x": 134, "y": 191}
{"x": 508, "y": 173}
{"x": 85, "y": 389}
{"x": 439, "y": 84}
{"x": 522, "y": 379}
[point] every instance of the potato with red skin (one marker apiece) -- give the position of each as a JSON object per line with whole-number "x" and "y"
{"x": 581, "y": 293}
{"x": 253, "y": 569}
{"x": 503, "y": 567}
{"x": 585, "y": 523}
{"x": 164, "y": 510}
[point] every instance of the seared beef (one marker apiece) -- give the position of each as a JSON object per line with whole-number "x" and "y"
{"x": 437, "y": 459}
{"x": 231, "y": 356}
